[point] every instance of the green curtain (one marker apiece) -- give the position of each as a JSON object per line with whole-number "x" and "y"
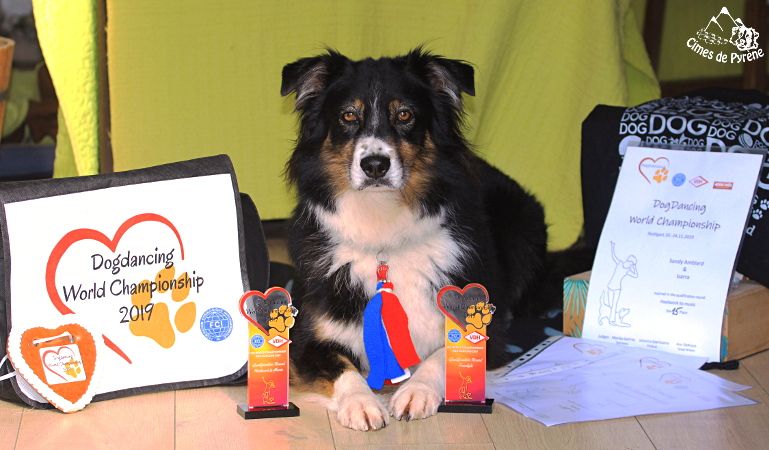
{"x": 67, "y": 34}
{"x": 194, "y": 78}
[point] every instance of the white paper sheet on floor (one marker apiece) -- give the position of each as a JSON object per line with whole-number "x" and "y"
{"x": 577, "y": 380}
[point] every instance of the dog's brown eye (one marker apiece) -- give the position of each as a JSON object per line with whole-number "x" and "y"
{"x": 349, "y": 116}
{"x": 405, "y": 115}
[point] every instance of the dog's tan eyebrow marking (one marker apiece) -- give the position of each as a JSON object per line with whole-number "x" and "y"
{"x": 394, "y": 106}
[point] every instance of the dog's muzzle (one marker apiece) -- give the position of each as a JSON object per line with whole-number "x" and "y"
{"x": 375, "y": 164}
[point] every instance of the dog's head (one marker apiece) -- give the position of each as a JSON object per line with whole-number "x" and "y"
{"x": 375, "y": 124}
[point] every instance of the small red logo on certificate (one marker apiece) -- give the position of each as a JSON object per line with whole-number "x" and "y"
{"x": 727, "y": 185}
{"x": 698, "y": 181}
{"x": 475, "y": 337}
{"x": 278, "y": 341}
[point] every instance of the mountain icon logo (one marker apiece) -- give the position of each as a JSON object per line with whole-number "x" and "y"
{"x": 724, "y": 29}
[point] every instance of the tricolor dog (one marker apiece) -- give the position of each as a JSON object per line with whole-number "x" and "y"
{"x": 383, "y": 173}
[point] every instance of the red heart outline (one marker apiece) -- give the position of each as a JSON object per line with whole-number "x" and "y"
{"x": 462, "y": 292}
{"x": 652, "y": 363}
{"x": 57, "y": 352}
{"x": 86, "y": 233}
{"x": 649, "y": 158}
{"x": 263, "y": 296}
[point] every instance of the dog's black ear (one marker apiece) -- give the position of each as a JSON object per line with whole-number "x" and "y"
{"x": 448, "y": 77}
{"x": 308, "y": 77}
{"x": 457, "y": 76}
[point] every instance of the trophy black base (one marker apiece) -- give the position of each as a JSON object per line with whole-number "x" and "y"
{"x": 467, "y": 408}
{"x": 268, "y": 412}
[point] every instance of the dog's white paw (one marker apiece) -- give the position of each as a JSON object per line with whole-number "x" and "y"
{"x": 362, "y": 411}
{"x": 415, "y": 400}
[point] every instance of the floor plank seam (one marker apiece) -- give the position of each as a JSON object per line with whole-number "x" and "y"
{"x": 488, "y": 432}
{"x": 330, "y": 428}
{"x": 645, "y": 433}
{"x": 18, "y": 428}
{"x": 758, "y": 383}
{"x": 486, "y": 427}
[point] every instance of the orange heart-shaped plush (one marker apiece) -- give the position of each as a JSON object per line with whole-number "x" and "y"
{"x": 59, "y": 363}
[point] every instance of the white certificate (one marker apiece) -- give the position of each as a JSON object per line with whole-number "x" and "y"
{"x": 668, "y": 247}
{"x": 576, "y": 380}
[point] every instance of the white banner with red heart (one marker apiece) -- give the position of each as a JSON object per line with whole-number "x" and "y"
{"x": 156, "y": 265}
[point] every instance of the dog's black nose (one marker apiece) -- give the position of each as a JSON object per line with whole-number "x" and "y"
{"x": 375, "y": 166}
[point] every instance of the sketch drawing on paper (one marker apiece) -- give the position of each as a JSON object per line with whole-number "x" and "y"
{"x": 609, "y": 309}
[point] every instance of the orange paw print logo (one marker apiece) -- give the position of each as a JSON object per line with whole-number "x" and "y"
{"x": 281, "y": 319}
{"x": 72, "y": 368}
{"x": 158, "y": 326}
{"x": 660, "y": 175}
{"x": 479, "y": 314}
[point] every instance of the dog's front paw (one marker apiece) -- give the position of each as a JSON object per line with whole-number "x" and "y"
{"x": 415, "y": 400}
{"x": 362, "y": 412}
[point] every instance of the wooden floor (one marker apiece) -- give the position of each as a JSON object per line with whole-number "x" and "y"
{"x": 207, "y": 419}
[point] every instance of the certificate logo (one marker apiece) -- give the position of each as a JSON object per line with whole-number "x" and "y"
{"x": 678, "y": 179}
{"x": 725, "y": 185}
{"x": 278, "y": 341}
{"x": 654, "y": 169}
{"x": 698, "y": 181}
{"x": 475, "y": 337}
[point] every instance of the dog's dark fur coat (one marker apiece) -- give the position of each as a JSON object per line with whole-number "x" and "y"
{"x": 381, "y": 169}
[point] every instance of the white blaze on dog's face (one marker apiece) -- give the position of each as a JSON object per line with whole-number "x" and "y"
{"x": 376, "y": 165}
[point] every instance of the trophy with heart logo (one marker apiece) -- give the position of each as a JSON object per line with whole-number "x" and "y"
{"x": 468, "y": 313}
{"x": 270, "y": 317}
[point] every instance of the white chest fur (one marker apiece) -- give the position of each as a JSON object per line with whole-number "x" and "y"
{"x": 419, "y": 252}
